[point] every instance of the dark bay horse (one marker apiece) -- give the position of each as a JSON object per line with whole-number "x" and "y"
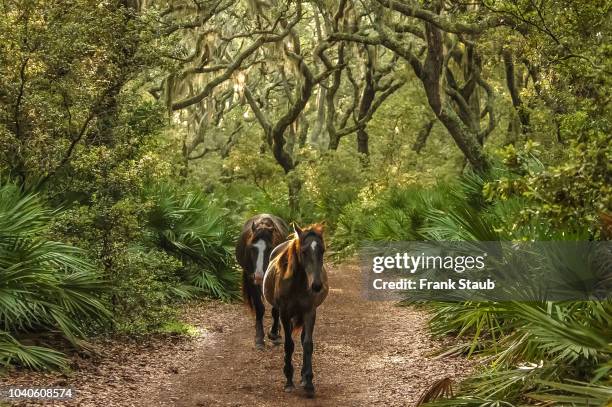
{"x": 296, "y": 284}
{"x": 260, "y": 234}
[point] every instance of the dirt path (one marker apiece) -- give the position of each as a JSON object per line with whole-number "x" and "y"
{"x": 366, "y": 353}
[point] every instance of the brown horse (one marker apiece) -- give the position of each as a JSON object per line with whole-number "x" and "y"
{"x": 260, "y": 234}
{"x": 296, "y": 284}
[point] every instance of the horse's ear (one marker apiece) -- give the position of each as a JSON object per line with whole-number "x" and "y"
{"x": 253, "y": 227}
{"x": 297, "y": 230}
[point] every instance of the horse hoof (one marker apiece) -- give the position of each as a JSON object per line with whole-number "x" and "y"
{"x": 310, "y": 391}
{"x": 260, "y": 346}
{"x": 289, "y": 388}
{"x": 275, "y": 338}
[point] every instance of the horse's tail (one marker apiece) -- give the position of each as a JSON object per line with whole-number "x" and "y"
{"x": 247, "y": 292}
{"x": 298, "y": 324}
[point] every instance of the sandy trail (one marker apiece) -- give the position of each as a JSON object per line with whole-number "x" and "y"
{"x": 365, "y": 354}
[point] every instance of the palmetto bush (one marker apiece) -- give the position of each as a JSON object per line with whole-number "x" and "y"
{"x": 560, "y": 353}
{"x": 397, "y": 214}
{"x": 403, "y": 213}
{"x": 45, "y": 286}
{"x": 198, "y": 232}
{"x": 556, "y": 353}
{"x": 553, "y": 353}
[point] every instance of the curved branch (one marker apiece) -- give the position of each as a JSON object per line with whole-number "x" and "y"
{"x": 277, "y": 132}
{"x": 236, "y": 64}
{"x": 444, "y": 23}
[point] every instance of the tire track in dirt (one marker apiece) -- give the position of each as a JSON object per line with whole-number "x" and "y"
{"x": 366, "y": 353}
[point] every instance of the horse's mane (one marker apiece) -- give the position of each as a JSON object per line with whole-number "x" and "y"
{"x": 287, "y": 255}
{"x": 285, "y": 259}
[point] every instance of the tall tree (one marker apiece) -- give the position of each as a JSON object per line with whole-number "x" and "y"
{"x": 264, "y": 56}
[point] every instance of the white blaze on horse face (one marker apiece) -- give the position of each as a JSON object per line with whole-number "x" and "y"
{"x": 313, "y": 246}
{"x": 261, "y": 248}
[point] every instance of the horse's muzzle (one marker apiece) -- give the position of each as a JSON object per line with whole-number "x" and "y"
{"x": 316, "y": 287}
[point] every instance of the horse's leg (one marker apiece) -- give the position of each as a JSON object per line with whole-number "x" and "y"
{"x": 260, "y": 309}
{"x": 307, "y": 347}
{"x": 289, "y": 346}
{"x": 273, "y": 334}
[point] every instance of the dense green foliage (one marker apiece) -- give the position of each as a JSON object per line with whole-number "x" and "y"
{"x": 77, "y": 128}
{"x": 551, "y": 351}
{"x": 46, "y": 285}
{"x": 196, "y": 231}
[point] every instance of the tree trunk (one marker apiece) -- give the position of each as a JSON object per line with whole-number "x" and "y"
{"x": 423, "y": 136}
{"x": 465, "y": 140}
{"x": 294, "y": 185}
{"x": 367, "y": 97}
{"x": 471, "y": 69}
{"x": 464, "y": 137}
{"x": 184, "y": 171}
{"x": 513, "y": 132}
{"x": 321, "y": 96}
{"x": 334, "y": 141}
{"x": 318, "y": 127}
{"x": 362, "y": 141}
{"x": 517, "y": 103}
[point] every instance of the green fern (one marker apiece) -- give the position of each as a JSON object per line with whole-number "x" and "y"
{"x": 200, "y": 234}
{"x": 44, "y": 285}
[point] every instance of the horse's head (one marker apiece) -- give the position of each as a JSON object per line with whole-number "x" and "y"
{"x": 259, "y": 247}
{"x": 311, "y": 247}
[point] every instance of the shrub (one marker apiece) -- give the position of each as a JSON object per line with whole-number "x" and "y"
{"x": 557, "y": 352}
{"x": 330, "y": 183}
{"x": 570, "y": 196}
{"x": 44, "y": 285}
{"x": 198, "y": 233}
{"x": 145, "y": 286}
